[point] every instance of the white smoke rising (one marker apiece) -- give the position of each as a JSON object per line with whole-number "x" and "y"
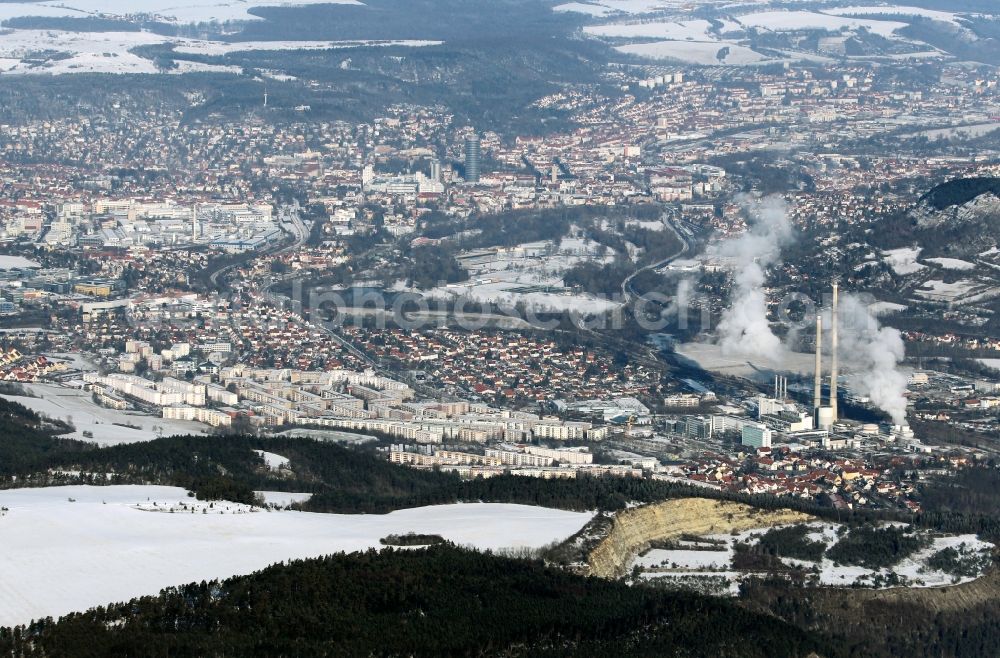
{"x": 681, "y": 302}
{"x": 744, "y": 328}
{"x": 871, "y": 355}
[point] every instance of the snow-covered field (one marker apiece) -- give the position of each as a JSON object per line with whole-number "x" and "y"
{"x": 583, "y": 8}
{"x": 530, "y": 273}
{"x": 695, "y": 52}
{"x": 328, "y": 435}
{"x": 74, "y": 360}
{"x": 57, "y": 52}
{"x": 693, "y": 42}
{"x": 283, "y": 498}
{"x": 914, "y": 568}
{"x": 699, "y": 41}
{"x": 273, "y": 461}
{"x": 685, "y": 559}
{"x": 193, "y": 11}
{"x": 894, "y": 10}
{"x": 903, "y": 260}
{"x": 692, "y": 30}
{"x": 76, "y": 406}
{"x": 939, "y": 290}
{"x": 633, "y": 7}
{"x": 110, "y": 52}
{"x": 952, "y": 263}
{"x": 99, "y": 52}
{"x": 501, "y": 292}
{"x": 115, "y": 543}
{"x": 778, "y": 21}
{"x": 216, "y": 48}
{"x": 19, "y": 262}
{"x": 711, "y": 356}
{"x": 959, "y": 132}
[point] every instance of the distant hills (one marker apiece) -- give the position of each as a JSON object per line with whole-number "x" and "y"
{"x": 958, "y": 219}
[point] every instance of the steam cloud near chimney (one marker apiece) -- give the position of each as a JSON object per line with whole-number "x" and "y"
{"x": 744, "y": 328}
{"x": 869, "y": 353}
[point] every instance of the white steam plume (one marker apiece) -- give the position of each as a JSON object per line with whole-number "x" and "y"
{"x": 681, "y": 302}
{"x": 744, "y": 328}
{"x": 871, "y": 355}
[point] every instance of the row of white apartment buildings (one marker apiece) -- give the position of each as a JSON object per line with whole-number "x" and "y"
{"x": 137, "y": 351}
{"x": 368, "y": 402}
{"x": 481, "y": 425}
{"x": 502, "y": 455}
{"x": 163, "y": 393}
{"x": 340, "y": 399}
{"x": 177, "y": 399}
{"x": 524, "y": 460}
{"x": 285, "y": 396}
{"x": 212, "y": 417}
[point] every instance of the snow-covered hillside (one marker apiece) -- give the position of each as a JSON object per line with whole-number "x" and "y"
{"x": 71, "y": 548}
{"x": 731, "y": 36}
{"x": 106, "y": 427}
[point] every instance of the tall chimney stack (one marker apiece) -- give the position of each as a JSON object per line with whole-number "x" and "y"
{"x": 833, "y": 362}
{"x": 818, "y": 389}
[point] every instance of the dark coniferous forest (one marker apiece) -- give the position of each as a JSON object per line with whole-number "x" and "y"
{"x": 431, "y": 602}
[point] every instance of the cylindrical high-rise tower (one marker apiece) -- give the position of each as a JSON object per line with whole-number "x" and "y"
{"x": 473, "y": 158}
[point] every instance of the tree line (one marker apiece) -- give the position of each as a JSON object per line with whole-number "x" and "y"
{"x": 433, "y": 602}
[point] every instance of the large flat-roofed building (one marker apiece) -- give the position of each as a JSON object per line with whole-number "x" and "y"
{"x": 756, "y": 435}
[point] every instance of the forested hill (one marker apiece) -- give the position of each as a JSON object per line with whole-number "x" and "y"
{"x": 342, "y": 480}
{"x": 26, "y": 439}
{"x": 960, "y": 191}
{"x": 435, "y": 602}
{"x": 959, "y": 218}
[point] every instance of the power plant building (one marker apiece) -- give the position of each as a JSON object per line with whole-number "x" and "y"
{"x": 756, "y": 435}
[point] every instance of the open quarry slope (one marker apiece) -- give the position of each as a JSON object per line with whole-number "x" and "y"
{"x": 634, "y": 530}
